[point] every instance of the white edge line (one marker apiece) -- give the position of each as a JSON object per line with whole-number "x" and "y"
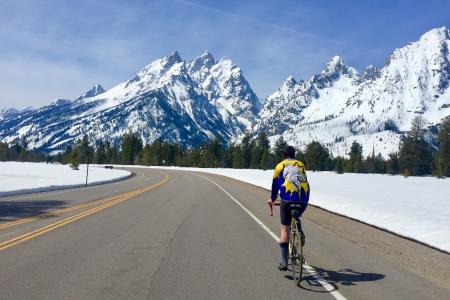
{"x": 331, "y": 289}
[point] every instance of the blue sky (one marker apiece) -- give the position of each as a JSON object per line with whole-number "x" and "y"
{"x": 57, "y": 49}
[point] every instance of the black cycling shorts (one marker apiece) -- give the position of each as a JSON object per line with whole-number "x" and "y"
{"x": 285, "y": 211}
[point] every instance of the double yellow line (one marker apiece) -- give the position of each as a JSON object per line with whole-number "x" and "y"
{"x": 104, "y": 203}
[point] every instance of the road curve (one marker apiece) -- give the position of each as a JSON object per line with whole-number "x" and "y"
{"x": 170, "y": 234}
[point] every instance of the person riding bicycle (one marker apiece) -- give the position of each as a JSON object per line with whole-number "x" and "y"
{"x": 290, "y": 180}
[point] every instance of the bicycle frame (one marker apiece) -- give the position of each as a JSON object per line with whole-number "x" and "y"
{"x": 295, "y": 242}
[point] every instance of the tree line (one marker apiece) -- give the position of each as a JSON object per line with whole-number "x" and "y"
{"x": 20, "y": 152}
{"x": 415, "y": 156}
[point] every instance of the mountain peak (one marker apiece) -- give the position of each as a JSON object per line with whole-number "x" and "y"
{"x": 8, "y": 112}
{"x": 437, "y": 34}
{"x": 370, "y": 72}
{"x": 333, "y": 71}
{"x": 60, "y": 102}
{"x": 336, "y": 59}
{"x": 290, "y": 81}
{"x": 94, "y": 91}
{"x": 204, "y": 60}
{"x": 157, "y": 67}
{"x": 334, "y": 65}
{"x": 207, "y": 55}
{"x": 171, "y": 59}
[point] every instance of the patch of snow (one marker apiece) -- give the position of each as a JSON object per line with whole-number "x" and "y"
{"x": 24, "y": 177}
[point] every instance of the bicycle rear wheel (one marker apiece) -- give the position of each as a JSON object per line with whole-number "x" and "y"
{"x": 300, "y": 260}
{"x": 296, "y": 256}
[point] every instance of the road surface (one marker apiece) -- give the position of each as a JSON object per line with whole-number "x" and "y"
{"x": 166, "y": 234}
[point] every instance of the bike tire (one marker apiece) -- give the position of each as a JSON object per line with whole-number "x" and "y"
{"x": 296, "y": 256}
{"x": 301, "y": 261}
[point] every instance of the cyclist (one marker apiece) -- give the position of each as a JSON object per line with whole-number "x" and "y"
{"x": 290, "y": 180}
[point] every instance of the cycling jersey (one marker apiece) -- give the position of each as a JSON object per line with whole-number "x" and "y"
{"x": 290, "y": 180}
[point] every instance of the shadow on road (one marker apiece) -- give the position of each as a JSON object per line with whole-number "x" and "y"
{"x": 341, "y": 277}
{"x": 12, "y": 210}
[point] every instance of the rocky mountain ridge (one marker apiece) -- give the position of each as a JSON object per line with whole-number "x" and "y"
{"x": 192, "y": 101}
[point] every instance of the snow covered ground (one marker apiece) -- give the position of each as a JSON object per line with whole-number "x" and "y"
{"x": 23, "y": 177}
{"x": 415, "y": 207}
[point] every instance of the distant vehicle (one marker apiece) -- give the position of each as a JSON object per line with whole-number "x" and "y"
{"x": 109, "y": 167}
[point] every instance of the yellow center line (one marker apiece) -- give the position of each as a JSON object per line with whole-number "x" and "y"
{"x": 40, "y": 231}
{"x": 63, "y": 210}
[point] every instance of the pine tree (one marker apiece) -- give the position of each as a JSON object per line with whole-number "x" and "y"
{"x": 266, "y": 160}
{"x": 415, "y": 153}
{"x": 111, "y": 152}
{"x": 261, "y": 146}
{"x": 370, "y": 162}
{"x": 443, "y": 154}
{"x": 238, "y": 158}
{"x": 280, "y": 144}
{"x": 317, "y": 157}
{"x": 300, "y": 155}
{"x": 65, "y": 157}
{"x": 212, "y": 154}
{"x": 146, "y": 156}
{"x": 339, "y": 165}
{"x": 355, "y": 164}
{"x": 380, "y": 164}
{"x": 84, "y": 149}
{"x": 80, "y": 153}
{"x": 256, "y": 157}
{"x": 3, "y": 151}
{"x": 392, "y": 166}
{"x": 130, "y": 148}
{"x": 247, "y": 148}
{"x": 74, "y": 158}
{"x": 22, "y": 154}
{"x": 100, "y": 153}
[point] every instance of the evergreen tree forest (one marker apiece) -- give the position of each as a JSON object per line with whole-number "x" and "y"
{"x": 415, "y": 156}
{"x": 20, "y": 152}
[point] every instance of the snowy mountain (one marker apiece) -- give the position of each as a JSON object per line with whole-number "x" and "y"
{"x": 11, "y": 112}
{"x": 341, "y": 105}
{"x": 96, "y": 90}
{"x": 167, "y": 99}
{"x": 226, "y": 88}
{"x": 191, "y": 101}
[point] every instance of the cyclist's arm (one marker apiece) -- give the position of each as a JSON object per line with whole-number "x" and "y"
{"x": 304, "y": 189}
{"x": 275, "y": 187}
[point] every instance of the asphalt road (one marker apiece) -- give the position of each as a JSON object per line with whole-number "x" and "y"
{"x": 168, "y": 235}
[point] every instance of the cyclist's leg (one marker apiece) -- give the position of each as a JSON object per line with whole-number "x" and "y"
{"x": 285, "y": 218}
{"x": 284, "y": 233}
{"x": 299, "y": 223}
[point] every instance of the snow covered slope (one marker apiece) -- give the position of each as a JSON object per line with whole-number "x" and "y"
{"x": 24, "y": 177}
{"x": 226, "y": 88}
{"x": 190, "y": 102}
{"x": 373, "y": 107}
{"x": 168, "y": 99}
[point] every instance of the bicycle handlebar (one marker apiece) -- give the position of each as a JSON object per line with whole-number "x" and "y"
{"x": 271, "y": 204}
{"x": 277, "y": 203}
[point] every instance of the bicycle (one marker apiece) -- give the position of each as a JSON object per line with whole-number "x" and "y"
{"x": 296, "y": 241}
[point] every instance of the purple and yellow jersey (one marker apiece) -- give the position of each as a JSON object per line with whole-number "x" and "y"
{"x": 290, "y": 180}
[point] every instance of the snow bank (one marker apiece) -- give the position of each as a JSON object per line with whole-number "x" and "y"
{"x": 22, "y": 177}
{"x": 414, "y": 207}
